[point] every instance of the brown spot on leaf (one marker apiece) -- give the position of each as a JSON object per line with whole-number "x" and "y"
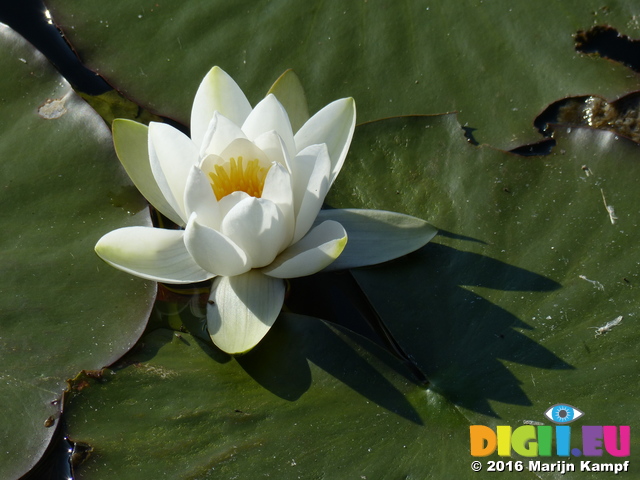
{"x": 52, "y": 108}
{"x": 81, "y": 385}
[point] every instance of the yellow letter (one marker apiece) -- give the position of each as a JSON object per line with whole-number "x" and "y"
{"x": 504, "y": 440}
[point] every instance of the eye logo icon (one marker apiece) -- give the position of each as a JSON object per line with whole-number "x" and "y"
{"x": 562, "y": 413}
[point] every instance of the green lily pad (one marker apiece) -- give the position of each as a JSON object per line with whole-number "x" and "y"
{"x": 501, "y": 309}
{"x": 498, "y": 310}
{"x": 498, "y": 63}
{"x": 307, "y": 402}
{"x": 61, "y": 310}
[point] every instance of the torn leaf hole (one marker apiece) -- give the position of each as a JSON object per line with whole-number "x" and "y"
{"x": 468, "y": 133}
{"x": 540, "y": 148}
{"x": 607, "y": 42}
{"x": 621, "y": 116}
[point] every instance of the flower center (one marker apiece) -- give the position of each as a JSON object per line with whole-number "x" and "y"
{"x": 236, "y": 177}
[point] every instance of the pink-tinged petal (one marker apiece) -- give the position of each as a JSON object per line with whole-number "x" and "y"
{"x": 172, "y": 154}
{"x": 213, "y": 251}
{"x": 217, "y": 92}
{"x": 312, "y": 169}
{"x": 258, "y": 227}
{"x": 333, "y": 125}
{"x": 152, "y": 253}
{"x": 318, "y": 249}
{"x": 220, "y": 133}
{"x": 242, "y": 309}
{"x": 199, "y": 198}
{"x": 269, "y": 115}
{"x": 132, "y": 146}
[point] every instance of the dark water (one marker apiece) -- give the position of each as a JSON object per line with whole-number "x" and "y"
{"x": 27, "y": 18}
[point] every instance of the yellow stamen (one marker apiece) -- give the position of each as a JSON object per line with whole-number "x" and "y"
{"x": 234, "y": 177}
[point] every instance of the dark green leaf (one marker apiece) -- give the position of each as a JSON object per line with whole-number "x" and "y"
{"x": 499, "y": 63}
{"x": 501, "y": 308}
{"x": 61, "y": 308}
{"x": 307, "y": 402}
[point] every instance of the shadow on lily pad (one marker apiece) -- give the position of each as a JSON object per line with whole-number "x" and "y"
{"x": 281, "y": 364}
{"x": 457, "y": 337}
{"x": 425, "y": 303}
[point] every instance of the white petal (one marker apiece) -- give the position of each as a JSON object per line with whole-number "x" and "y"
{"x": 199, "y": 198}
{"x": 243, "y": 310}
{"x": 376, "y": 236}
{"x": 152, "y": 253}
{"x": 220, "y": 133}
{"x": 290, "y": 93}
{"x": 269, "y": 115}
{"x": 228, "y": 202}
{"x": 277, "y": 189}
{"x": 333, "y": 125}
{"x": 172, "y": 154}
{"x": 273, "y": 146}
{"x": 319, "y": 248}
{"x": 246, "y": 149}
{"x": 132, "y": 146}
{"x": 217, "y": 92}
{"x": 213, "y": 251}
{"x": 258, "y": 227}
{"x": 312, "y": 168}
{"x": 208, "y": 163}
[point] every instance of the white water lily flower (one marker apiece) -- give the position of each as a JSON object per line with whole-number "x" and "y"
{"x": 247, "y": 191}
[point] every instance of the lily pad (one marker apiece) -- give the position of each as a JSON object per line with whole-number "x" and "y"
{"x": 498, "y": 311}
{"x": 498, "y": 63}
{"x": 501, "y": 309}
{"x": 61, "y": 310}
{"x": 307, "y": 402}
